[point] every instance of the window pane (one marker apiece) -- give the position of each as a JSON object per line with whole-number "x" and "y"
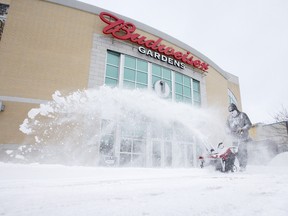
{"x": 129, "y": 85}
{"x": 113, "y": 58}
{"x": 196, "y": 96}
{"x": 129, "y": 74}
{"x": 155, "y": 79}
{"x": 169, "y": 84}
{"x": 106, "y": 144}
{"x": 110, "y": 82}
{"x": 156, "y": 154}
{"x": 232, "y": 98}
{"x": 112, "y": 68}
{"x": 126, "y": 146}
{"x": 187, "y": 81}
{"x": 166, "y": 74}
{"x": 112, "y": 71}
{"x": 196, "y": 85}
{"x": 178, "y": 78}
{"x": 142, "y": 77}
{"x": 141, "y": 86}
{"x": 187, "y": 100}
{"x": 178, "y": 89}
{"x": 168, "y": 153}
{"x": 125, "y": 159}
{"x": 156, "y": 70}
{"x": 142, "y": 65}
{"x": 130, "y": 62}
{"x": 137, "y": 146}
{"x": 186, "y": 91}
{"x": 178, "y": 97}
{"x": 196, "y": 93}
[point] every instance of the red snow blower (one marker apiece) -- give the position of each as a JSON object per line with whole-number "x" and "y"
{"x": 223, "y": 159}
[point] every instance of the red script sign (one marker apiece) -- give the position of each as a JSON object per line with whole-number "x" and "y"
{"x": 125, "y": 31}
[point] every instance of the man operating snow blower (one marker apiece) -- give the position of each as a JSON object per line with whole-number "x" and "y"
{"x": 238, "y": 125}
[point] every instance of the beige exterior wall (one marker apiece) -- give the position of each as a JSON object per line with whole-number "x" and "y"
{"x": 10, "y": 120}
{"x": 47, "y": 47}
{"x": 51, "y": 42}
{"x": 216, "y": 87}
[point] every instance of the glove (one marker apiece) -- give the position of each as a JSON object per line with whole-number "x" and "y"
{"x": 240, "y": 130}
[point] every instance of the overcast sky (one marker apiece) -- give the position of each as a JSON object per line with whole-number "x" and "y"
{"x": 248, "y": 38}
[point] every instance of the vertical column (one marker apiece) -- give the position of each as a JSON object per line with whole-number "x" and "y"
{"x": 117, "y": 144}
{"x": 150, "y": 84}
{"x": 162, "y": 153}
{"x": 121, "y": 70}
{"x": 173, "y": 85}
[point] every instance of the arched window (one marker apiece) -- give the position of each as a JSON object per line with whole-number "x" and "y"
{"x": 232, "y": 98}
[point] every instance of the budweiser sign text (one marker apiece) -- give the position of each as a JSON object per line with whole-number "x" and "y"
{"x": 126, "y": 31}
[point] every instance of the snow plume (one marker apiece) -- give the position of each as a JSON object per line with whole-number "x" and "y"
{"x": 262, "y": 152}
{"x": 70, "y": 127}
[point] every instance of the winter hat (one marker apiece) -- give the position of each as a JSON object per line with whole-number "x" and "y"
{"x": 232, "y": 107}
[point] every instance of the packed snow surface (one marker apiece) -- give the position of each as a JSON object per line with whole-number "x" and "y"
{"x": 35, "y": 189}
{"x": 46, "y": 190}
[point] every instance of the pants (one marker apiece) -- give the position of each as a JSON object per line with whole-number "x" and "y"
{"x": 242, "y": 155}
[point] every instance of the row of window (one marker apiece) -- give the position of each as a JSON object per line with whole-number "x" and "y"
{"x": 130, "y": 72}
{"x": 131, "y": 147}
{"x": 135, "y": 75}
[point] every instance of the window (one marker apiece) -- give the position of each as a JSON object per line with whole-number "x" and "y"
{"x": 183, "y": 88}
{"x": 156, "y": 154}
{"x": 107, "y": 137}
{"x": 161, "y": 73}
{"x": 129, "y": 143}
{"x": 132, "y": 146}
{"x": 196, "y": 93}
{"x": 231, "y": 97}
{"x": 183, "y": 91}
{"x": 112, "y": 69}
{"x": 161, "y": 138}
{"x": 135, "y": 73}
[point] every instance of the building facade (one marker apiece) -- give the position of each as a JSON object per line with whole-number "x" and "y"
{"x": 49, "y": 45}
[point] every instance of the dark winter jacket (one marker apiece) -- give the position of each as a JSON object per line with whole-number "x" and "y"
{"x": 238, "y": 126}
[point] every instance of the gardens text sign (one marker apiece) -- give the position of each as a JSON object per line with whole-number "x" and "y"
{"x": 126, "y": 31}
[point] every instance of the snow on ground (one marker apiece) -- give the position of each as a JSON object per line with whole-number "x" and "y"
{"x": 53, "y": 190}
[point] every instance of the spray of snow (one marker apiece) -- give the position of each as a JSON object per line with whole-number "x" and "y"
{"x": 74, "y": 120}
{"x": 281, "y": 160}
